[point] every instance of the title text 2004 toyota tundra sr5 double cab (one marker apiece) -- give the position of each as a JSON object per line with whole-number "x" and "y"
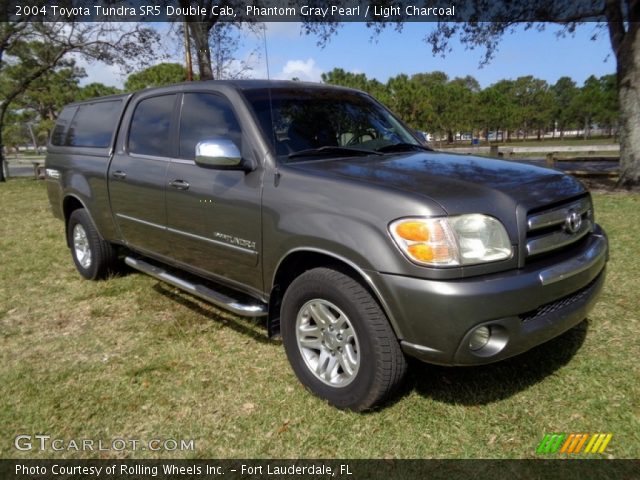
{"x": 315, "y": 207}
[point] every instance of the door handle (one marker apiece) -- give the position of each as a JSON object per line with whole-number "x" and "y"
{"x": 180, "y": 184}
{"x": 119, "y": 174}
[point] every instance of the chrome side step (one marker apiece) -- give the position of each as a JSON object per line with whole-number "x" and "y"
{"x": 256, "y": 309}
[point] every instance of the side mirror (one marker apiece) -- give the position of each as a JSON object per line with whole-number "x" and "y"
{"x": 220, "y": 153}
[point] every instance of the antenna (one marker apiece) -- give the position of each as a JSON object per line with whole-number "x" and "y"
{"x": 276, "y": 177}
{"x": 266, "y": 52}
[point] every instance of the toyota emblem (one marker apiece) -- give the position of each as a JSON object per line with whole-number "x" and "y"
{"x": 573, "y": 222}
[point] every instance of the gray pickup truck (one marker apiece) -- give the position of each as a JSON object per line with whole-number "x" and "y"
{"x": 315, "y": 207}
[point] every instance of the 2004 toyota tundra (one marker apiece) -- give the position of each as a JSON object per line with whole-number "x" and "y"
{"x": 316, "y": 207}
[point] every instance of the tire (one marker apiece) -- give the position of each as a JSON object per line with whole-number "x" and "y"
{"x": 94, "y": 257}
{"x": 339, "y": 342}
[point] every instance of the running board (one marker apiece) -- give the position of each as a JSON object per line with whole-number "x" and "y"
{"x": 256, "y": 309}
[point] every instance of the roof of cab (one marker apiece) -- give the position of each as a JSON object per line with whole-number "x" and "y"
{"x": 234, "y": 84}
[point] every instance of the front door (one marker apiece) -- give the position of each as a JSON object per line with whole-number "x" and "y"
{"x": 213, "y": 216}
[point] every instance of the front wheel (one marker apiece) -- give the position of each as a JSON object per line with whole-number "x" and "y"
{"x": 339, "y": 341}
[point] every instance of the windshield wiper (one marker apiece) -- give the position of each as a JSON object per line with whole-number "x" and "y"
{"x": 330, "y": 150}
{"x": 403, "y": 147}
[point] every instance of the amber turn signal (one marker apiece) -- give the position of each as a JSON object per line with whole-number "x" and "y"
{"x": 413, "y": 231}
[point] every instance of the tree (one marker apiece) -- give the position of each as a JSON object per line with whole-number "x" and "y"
{"x": 338, "y": 76}
{"x": 15, "y": 132}
{"x": 497, "y": 109}
{"x": 22, "y": 54}
{"x": 426, "y": 99}
{"x": 204, "y": 36}
{"x": 564, "y": 92}
{"x": 609, "y": 112}
{"x": 156, "y": 76}
{"x": 46, "y": 96}
{"x": 484, "y": 22}
{"x": 588, "y": 103}
{"x": 534, "y": 104}
{"x": 596, "y": 103}
{"x": 224, "y": 40}
{"x": 461, "y": 103}
{"x": 95, "y": 89}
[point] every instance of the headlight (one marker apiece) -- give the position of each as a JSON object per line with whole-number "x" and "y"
{"x": 450, "y": 241}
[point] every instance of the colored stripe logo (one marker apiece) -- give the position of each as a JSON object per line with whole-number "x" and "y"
{"x": 574, "y": 443}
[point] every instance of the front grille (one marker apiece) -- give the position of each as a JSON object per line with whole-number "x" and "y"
{"x": 557, "y": 227}
{"x": 564, "y": 302}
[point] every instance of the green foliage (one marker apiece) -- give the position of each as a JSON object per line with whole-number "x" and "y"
{"x": 564, "y": 92}
{"x": 156, "y": 76}
{"x": 33, "y": 53}
{"x": 95, "y": 89}
{"x": 597, "y": 102}
{"x": 15, "y": 132}
{"x": 534, "y": 103}
{"x": 497, "y": 108}
{"x": 527, "y": 105}
{"x": 31, "y": 116}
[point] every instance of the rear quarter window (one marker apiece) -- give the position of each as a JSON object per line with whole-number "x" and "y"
{"x": 94, "y": 124}
{"x": 62, "y": 125}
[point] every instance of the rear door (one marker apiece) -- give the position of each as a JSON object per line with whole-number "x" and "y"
{"x": 137, "y": 174}
{"x": 213, "y": 216}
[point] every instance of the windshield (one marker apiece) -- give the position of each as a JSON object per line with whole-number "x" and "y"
{"x": 316, "y": 122}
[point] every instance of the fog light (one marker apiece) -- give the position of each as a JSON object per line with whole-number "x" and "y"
{"x": 479, "y": 338}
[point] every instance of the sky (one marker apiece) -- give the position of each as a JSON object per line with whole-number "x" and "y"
{"x": 293, "y": 54}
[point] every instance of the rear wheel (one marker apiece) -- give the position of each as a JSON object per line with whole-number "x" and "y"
{"x": 94, "y": 257}
{"x": 338, "y": 340}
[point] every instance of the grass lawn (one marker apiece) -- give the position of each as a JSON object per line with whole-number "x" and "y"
{"x": 132, "y": 358}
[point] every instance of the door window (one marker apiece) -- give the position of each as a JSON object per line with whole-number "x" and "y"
{"x": 150, "y": 130}
{"x": 206, "y": 117}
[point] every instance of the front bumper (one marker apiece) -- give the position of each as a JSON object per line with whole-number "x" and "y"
{"x": 523, "y": 308}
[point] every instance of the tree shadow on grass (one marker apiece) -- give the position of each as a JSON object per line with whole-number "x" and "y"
{"x": 489, "y": 383}
{"x": 253, "y": 328}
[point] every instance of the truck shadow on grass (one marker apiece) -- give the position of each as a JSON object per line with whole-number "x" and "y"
{"x": 470, "y": 386}
{"x": 489, "y": 383}
{"x": 253, "y": 328}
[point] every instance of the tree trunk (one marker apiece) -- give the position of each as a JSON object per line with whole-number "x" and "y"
{"x": 200, "y": 36}
{"x": 587, "y": 128}
{"x": 2, "y": 162}
{"x": 34, "y": 140}
{"x": 628, "y": 74}
{"x": 3, "y": 111}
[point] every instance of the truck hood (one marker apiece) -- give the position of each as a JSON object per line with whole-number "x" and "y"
{"x": 459, "y": 183}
